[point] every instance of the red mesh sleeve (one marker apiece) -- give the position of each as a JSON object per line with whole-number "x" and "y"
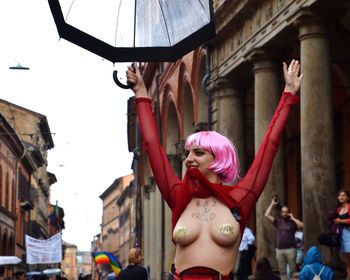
{"x": 248, "y": 190}
{"x": 163, "y": 173}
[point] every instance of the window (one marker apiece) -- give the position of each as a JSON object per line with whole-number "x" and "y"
{"x": 7, "y": 191}
{"x": 1, "y": 192}
{"x": 13, "y": 196}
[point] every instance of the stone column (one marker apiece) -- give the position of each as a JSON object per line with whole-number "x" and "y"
{"x": 153, "y": 235}
{"x": 267, "y": 93}
{"x": 146, "y": 220}
{"x": 157, "y": 232}
{"x": 169, "y": 247}
{"x": 228, "y": 115}
{"x": 169, "y": 250}
{"x": 317, "y": 144}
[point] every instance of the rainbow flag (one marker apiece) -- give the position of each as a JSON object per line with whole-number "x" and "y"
{"x": 107, "y": 258}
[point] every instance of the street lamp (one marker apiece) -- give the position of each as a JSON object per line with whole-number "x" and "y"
{"x": 19, "y": 66}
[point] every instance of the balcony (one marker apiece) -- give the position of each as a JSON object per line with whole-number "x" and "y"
{"x": 38, "y": 230}
{"x": 27, "y": 199}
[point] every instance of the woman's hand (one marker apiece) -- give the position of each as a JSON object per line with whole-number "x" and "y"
{"x": 134, "y": 76}
{"x": 291, "y": 77}
{"x": 274, "y": 200}
{"x": 337, "y": 221}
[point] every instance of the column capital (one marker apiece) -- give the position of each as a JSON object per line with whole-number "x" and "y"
{"x": 223, "y": 87}
{"x": 311, "y": 25}
{"x": 264, "y": 53}
{"x": 318, "y": 23}
{"x": 265, "y": 59}
{"x": 219, "y": 82}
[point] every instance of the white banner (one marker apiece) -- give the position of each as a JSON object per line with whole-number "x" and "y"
{"x": 44, "y": 251}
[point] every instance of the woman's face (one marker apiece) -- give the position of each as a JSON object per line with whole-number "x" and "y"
{"x": 199, "y": 158}
{"x": 342, "y": 197}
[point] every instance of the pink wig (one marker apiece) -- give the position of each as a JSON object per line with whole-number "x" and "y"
{"x": 226, "y": 159}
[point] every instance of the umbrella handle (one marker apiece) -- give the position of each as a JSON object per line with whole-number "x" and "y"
{"x": 120, "y": 84}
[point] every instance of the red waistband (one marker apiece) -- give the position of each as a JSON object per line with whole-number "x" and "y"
{"x": 200, "y": 273}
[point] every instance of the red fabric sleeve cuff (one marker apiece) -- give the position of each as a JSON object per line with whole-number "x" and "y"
{"x": 293, "y": 98}
{"x": 142, "y": 99}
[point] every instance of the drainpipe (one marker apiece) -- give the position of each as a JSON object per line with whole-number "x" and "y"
{"x": 138, "y": 224}
{"x": 17, "y": 192}
{"x": 159, "y": 123}
{"x": 205, "y": 83}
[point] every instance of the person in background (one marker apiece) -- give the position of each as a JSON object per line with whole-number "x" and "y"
{"x": 2, "y": 273}
{"x": 246, "y": 254}
{"x": 263, "y": 271}
{"x": 299, "y": 245}
{"x": 343, "y": 219}
{"x": 134, "y": 271}
{"x": 286, "y": 225}
{"x": 20, "y": 275}
{"x": 208, "y": 215}
{"x": 313, "y": 265}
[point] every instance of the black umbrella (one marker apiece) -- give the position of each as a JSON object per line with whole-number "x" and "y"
{"x": 140, "y": 30}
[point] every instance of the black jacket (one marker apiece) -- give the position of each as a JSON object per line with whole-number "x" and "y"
{"x": 133, "y": 272}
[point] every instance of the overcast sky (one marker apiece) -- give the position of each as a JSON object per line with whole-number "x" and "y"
{"x": 85, "y": 110}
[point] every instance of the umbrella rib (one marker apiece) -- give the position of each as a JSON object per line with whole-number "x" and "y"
{"x": 135, "y": 12}
{"x": 165, "y": 22}
{"x": 202, "y": 6}
{"x": 70, "y": 7}
{"x": 117, "y": 24}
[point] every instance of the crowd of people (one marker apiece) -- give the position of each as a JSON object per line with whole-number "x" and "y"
{"x": 288, "y": 229}
{"x": 292, "y": 264}
{"x": 23, "y": 275}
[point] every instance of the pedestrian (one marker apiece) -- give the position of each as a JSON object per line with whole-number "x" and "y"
{"x": 134, "y": 271}
{"x": 286, "y": 225}
{"x": 343, "y": 219}
{"x": 263, "y": 271}
{"x": 313, "y": 266}
{"x": 246, "y": 254}
{"x": 299, "y": 246}
{"x": 20, "y": 275}
{"x": 208, "y": 215}
{"x": 2, "y": 273}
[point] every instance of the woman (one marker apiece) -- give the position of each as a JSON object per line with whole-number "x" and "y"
{"x": 208, "y": 218}
{"x": 313, "y": 265}
{"x": 343, "y": 219}
{"x": 134, "y": 271}
{"x": 263, "y": 271}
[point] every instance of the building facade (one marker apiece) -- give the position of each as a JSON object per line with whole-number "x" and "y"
{"x": 95, "y": 246}
{"x": 233, "y": 86}
{"x": 69, "y": 265}
{"x": 84, "y": 261}
{"x": 11, "y": 151}
{"x": 25, "y": 181}
{"x": 117, "y": 224}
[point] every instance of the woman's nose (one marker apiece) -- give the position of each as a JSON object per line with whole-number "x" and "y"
{"x": 189, "y": 158}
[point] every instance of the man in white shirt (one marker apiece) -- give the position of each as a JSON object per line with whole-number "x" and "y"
{"x": 246, "y": 250}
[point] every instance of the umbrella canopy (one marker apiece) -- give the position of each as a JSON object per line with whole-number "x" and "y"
{"x": 52, "y": 271}
{"x": 9, "y": 260}
{"x": 31, "y": 275}
{"x": 139, "y": 30}
{"x": 111, "y": 276}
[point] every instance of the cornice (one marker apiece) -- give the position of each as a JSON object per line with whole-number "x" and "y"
{"x": 233, "y": 12}
{"x": 247, "y": 29}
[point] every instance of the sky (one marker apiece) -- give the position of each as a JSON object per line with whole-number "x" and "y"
{"x": 85, "y": 110}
